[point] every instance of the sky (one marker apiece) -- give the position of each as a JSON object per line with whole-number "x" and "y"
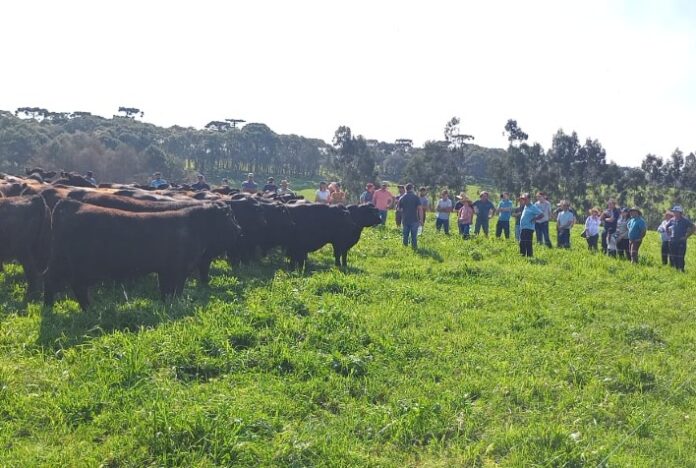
{"x": 621, "y": 72}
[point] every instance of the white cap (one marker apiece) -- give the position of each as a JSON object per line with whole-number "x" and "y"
{"x": 677, "y": 209}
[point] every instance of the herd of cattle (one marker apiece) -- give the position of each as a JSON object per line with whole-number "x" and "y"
{"x": 70, "y": 233}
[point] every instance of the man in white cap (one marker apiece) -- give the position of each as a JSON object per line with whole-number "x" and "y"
{"x": 680, "y": 229}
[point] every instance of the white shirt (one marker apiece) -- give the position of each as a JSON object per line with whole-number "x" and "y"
{"x": 323, "y": 195}
{"x": 592, "y": 226}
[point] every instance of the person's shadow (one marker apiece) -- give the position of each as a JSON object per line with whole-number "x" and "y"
{"x": 429, "y": 253}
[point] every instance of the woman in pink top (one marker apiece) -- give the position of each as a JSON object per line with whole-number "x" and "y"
{"x": 466, "y": 214}
{"x": 383, "y": 199}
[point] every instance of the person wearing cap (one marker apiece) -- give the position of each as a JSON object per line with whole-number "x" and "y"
{"x": 383, "y": 200}
{"x": 465, "y": 214}
{"x": 591, "y": 232}
{"x": 397, "y": 210}
{"x": 530, "y": 213}
{"x": 201, "y": 184}
{"x": 284, "y": 189}
{"x": 680, "y": 229}
{"x": 270, "y": 186}
{"x": 249, "y": 185}
{"x": 504, "y": 213}
{"x": 412, "y": 216}
{"x": 89, "y": 177}
{"x": 565, "y": 220}
{"x": 157, "y": 180}
{"x": 542, "y": 225}
{"x": 622, "y": 235}
{"x": 443, "y": 208}
{"x": 322, "y": 195}
{"x": 637, "y": 228}
{"x": 366, "y": 196}
{"x": 665, "y": 238}
{"x": 484, "y": 211}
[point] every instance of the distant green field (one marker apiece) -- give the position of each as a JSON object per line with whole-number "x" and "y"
{"x": 462, "y": 354}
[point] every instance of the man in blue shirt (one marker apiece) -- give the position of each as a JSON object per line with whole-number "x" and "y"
{"x": 249, "y": 185}
{"x": 366, "y": 196}
{"x": 201, "y": 185}
{"x": 504, "y": 213}
{"x": 411, "y": 215}
{"x": 679, "y": 229}
{"x": 636, "y": 231}
{"x": 270, "y": 186}
{"x": 157, "y": 180}
{"x": 484, "y": 211}
{"x": 530, "y": 214}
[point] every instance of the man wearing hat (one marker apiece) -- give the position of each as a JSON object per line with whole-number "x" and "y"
{"x": 89, "y": 177}
{"x": 366, "y": 196}
{"x": 636, "y": 232}
{"x": 157, "y": 180}
{"x": 680, "y": 229}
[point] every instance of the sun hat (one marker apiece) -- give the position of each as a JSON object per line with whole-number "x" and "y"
{"x": 636, "y": 209}
{"x": 677, "y": 209}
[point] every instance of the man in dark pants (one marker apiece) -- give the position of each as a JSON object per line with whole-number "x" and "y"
{"x": 541, "y": 226}
{"x": 412, "y": 215}
{"x": 504, "y": 213}
{"x": 398, "y": 215}
{"x": 484, "y": 211}
{"x": 609, "y": 218}
{"x": 530, "y": 213}
{"x": 680, "y": 229}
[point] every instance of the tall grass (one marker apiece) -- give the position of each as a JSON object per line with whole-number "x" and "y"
{"x": 463, "y": 353}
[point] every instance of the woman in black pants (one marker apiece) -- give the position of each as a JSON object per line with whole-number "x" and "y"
{"x": 592, "y": 229}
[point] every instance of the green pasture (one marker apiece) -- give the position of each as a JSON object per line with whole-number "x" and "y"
{"x": 460, "y": 354}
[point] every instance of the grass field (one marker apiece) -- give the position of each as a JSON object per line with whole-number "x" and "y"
{"x": 462, "y": 354}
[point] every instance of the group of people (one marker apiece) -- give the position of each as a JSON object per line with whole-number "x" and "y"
{"x": 330, "y": 194}
{"x": 621, "y": 231}
{"x": 249, "y": 185}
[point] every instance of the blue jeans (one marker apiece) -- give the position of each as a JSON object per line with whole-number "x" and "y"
{"x": 564, "y": 238}
{"x": 481, "y": 222}
{"x": 542, "y": 233}
{"x": 464, "y": 230}
{"x": 442, "y": 223}
{"x": 383, "y": 216}
{"x": 412, "y": 230}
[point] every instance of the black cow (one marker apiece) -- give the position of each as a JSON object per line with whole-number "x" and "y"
{"x": 135, "y": 205}
{"x": 279, "y": 225}
{"x": 92, "y": 243}
{"x": 315, "y": 225}
{"x": 250, "y": 216}
{"x": 363, "y": 216}
{"x": 25, "y": 231}
{"x": 73, "y": 180}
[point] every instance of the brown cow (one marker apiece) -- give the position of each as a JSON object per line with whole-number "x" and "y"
{"x": 92, "y": 243}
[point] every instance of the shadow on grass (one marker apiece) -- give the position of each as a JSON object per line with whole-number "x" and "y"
{"x": 429, "y": 253}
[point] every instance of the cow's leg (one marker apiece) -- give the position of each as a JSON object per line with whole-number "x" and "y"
{"x": 204, "y": 270}
{"x": 33, "y": 276}
{"x": 179, "y": 284}
{"x": 337, "y": 256}
{"x": 51, "y": 285}
{"x": 81, "y": 291}
{"x": 166, "y": 285}
{"x": 344, "y": 258}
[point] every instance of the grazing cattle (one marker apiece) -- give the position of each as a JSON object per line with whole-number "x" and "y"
{"x": 25, "y": 230}
{"x": 73, "y": 180}
{"x": 40, "y": 172}
{"x": 251, "y": 218}
{"x": 363, "y": 216}
{"x": 92, "y": 243}
{"x": 315, "y": 225}
{"x": 12, "y": 189}
{"x": 279, "y": 225}
{"x": 135, "y": 205}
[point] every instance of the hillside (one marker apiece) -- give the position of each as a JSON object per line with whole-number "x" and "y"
{"x": 460, "y": 354}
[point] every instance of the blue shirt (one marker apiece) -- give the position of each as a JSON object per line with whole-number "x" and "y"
{"x": 505, "y": 215}
{"x": 156, "y": 183}
{"x": 636, "y": 228}
{"x": 366, "y": 197}
{"x": 679, "y": 228}
{"x": 528, "y": 214}
{"x": 248, "y": 186}
{"x": 484, "y": 208}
